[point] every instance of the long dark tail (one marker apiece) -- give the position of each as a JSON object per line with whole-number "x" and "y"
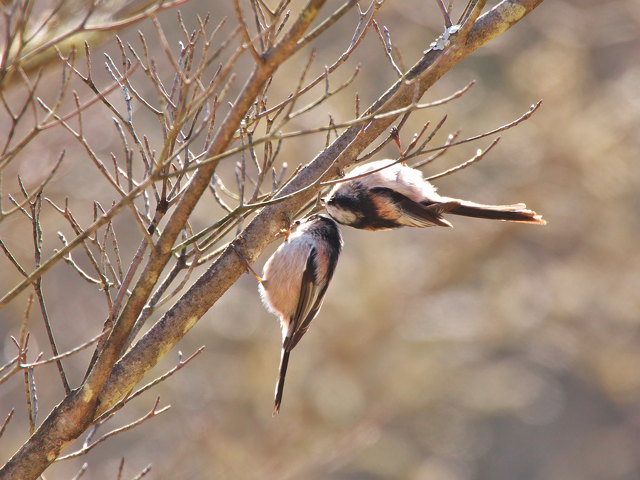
{"x": 511, "y": 213}
{"x": 284, "y": 361}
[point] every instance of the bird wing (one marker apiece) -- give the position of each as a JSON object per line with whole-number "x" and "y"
{"x": 411, "y": 213}
{"x": 312, "y": 294}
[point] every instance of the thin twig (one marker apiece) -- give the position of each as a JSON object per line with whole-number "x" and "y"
{"x": 87, "y": 448}
{"x": 143, "y": 473}
{"x": 6, "y": 422}
{"x": 65, "y": 354}
{"x": 181, "y": 364}
{"x": 388, "y": 47}
{"x": 245, "y": 32}
{"x": 12, "y": 259}
{"x": 445, "y": 13}
{"x": 450, "y": 139}
{"x": 476, "y": 158}
{"x": 81, "y": 472}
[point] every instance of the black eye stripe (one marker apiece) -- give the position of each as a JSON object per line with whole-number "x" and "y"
{"x": 346, "y": 202}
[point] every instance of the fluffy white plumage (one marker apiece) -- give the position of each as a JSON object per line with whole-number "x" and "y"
{"x": 295, "y": 280}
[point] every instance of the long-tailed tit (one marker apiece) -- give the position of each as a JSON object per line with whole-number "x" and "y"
{"x": 295, "y": 280}
{"x": 399, "y": 196}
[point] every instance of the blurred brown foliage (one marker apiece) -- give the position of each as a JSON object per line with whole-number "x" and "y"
{"x": 487, "y": 351}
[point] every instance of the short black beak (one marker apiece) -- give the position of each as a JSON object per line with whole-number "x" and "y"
{"x": 323, "y": 201}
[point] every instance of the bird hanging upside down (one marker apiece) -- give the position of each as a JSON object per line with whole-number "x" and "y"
{"x": 399, "y": 196}
{"x": 295, "y": 280}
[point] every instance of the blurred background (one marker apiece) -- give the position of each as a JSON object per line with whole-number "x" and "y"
{"x": 489, "y": 351}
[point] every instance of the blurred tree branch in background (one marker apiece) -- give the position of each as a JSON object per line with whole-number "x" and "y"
{"x": 35, "y": 31}
{"x": 157, "y": 179}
